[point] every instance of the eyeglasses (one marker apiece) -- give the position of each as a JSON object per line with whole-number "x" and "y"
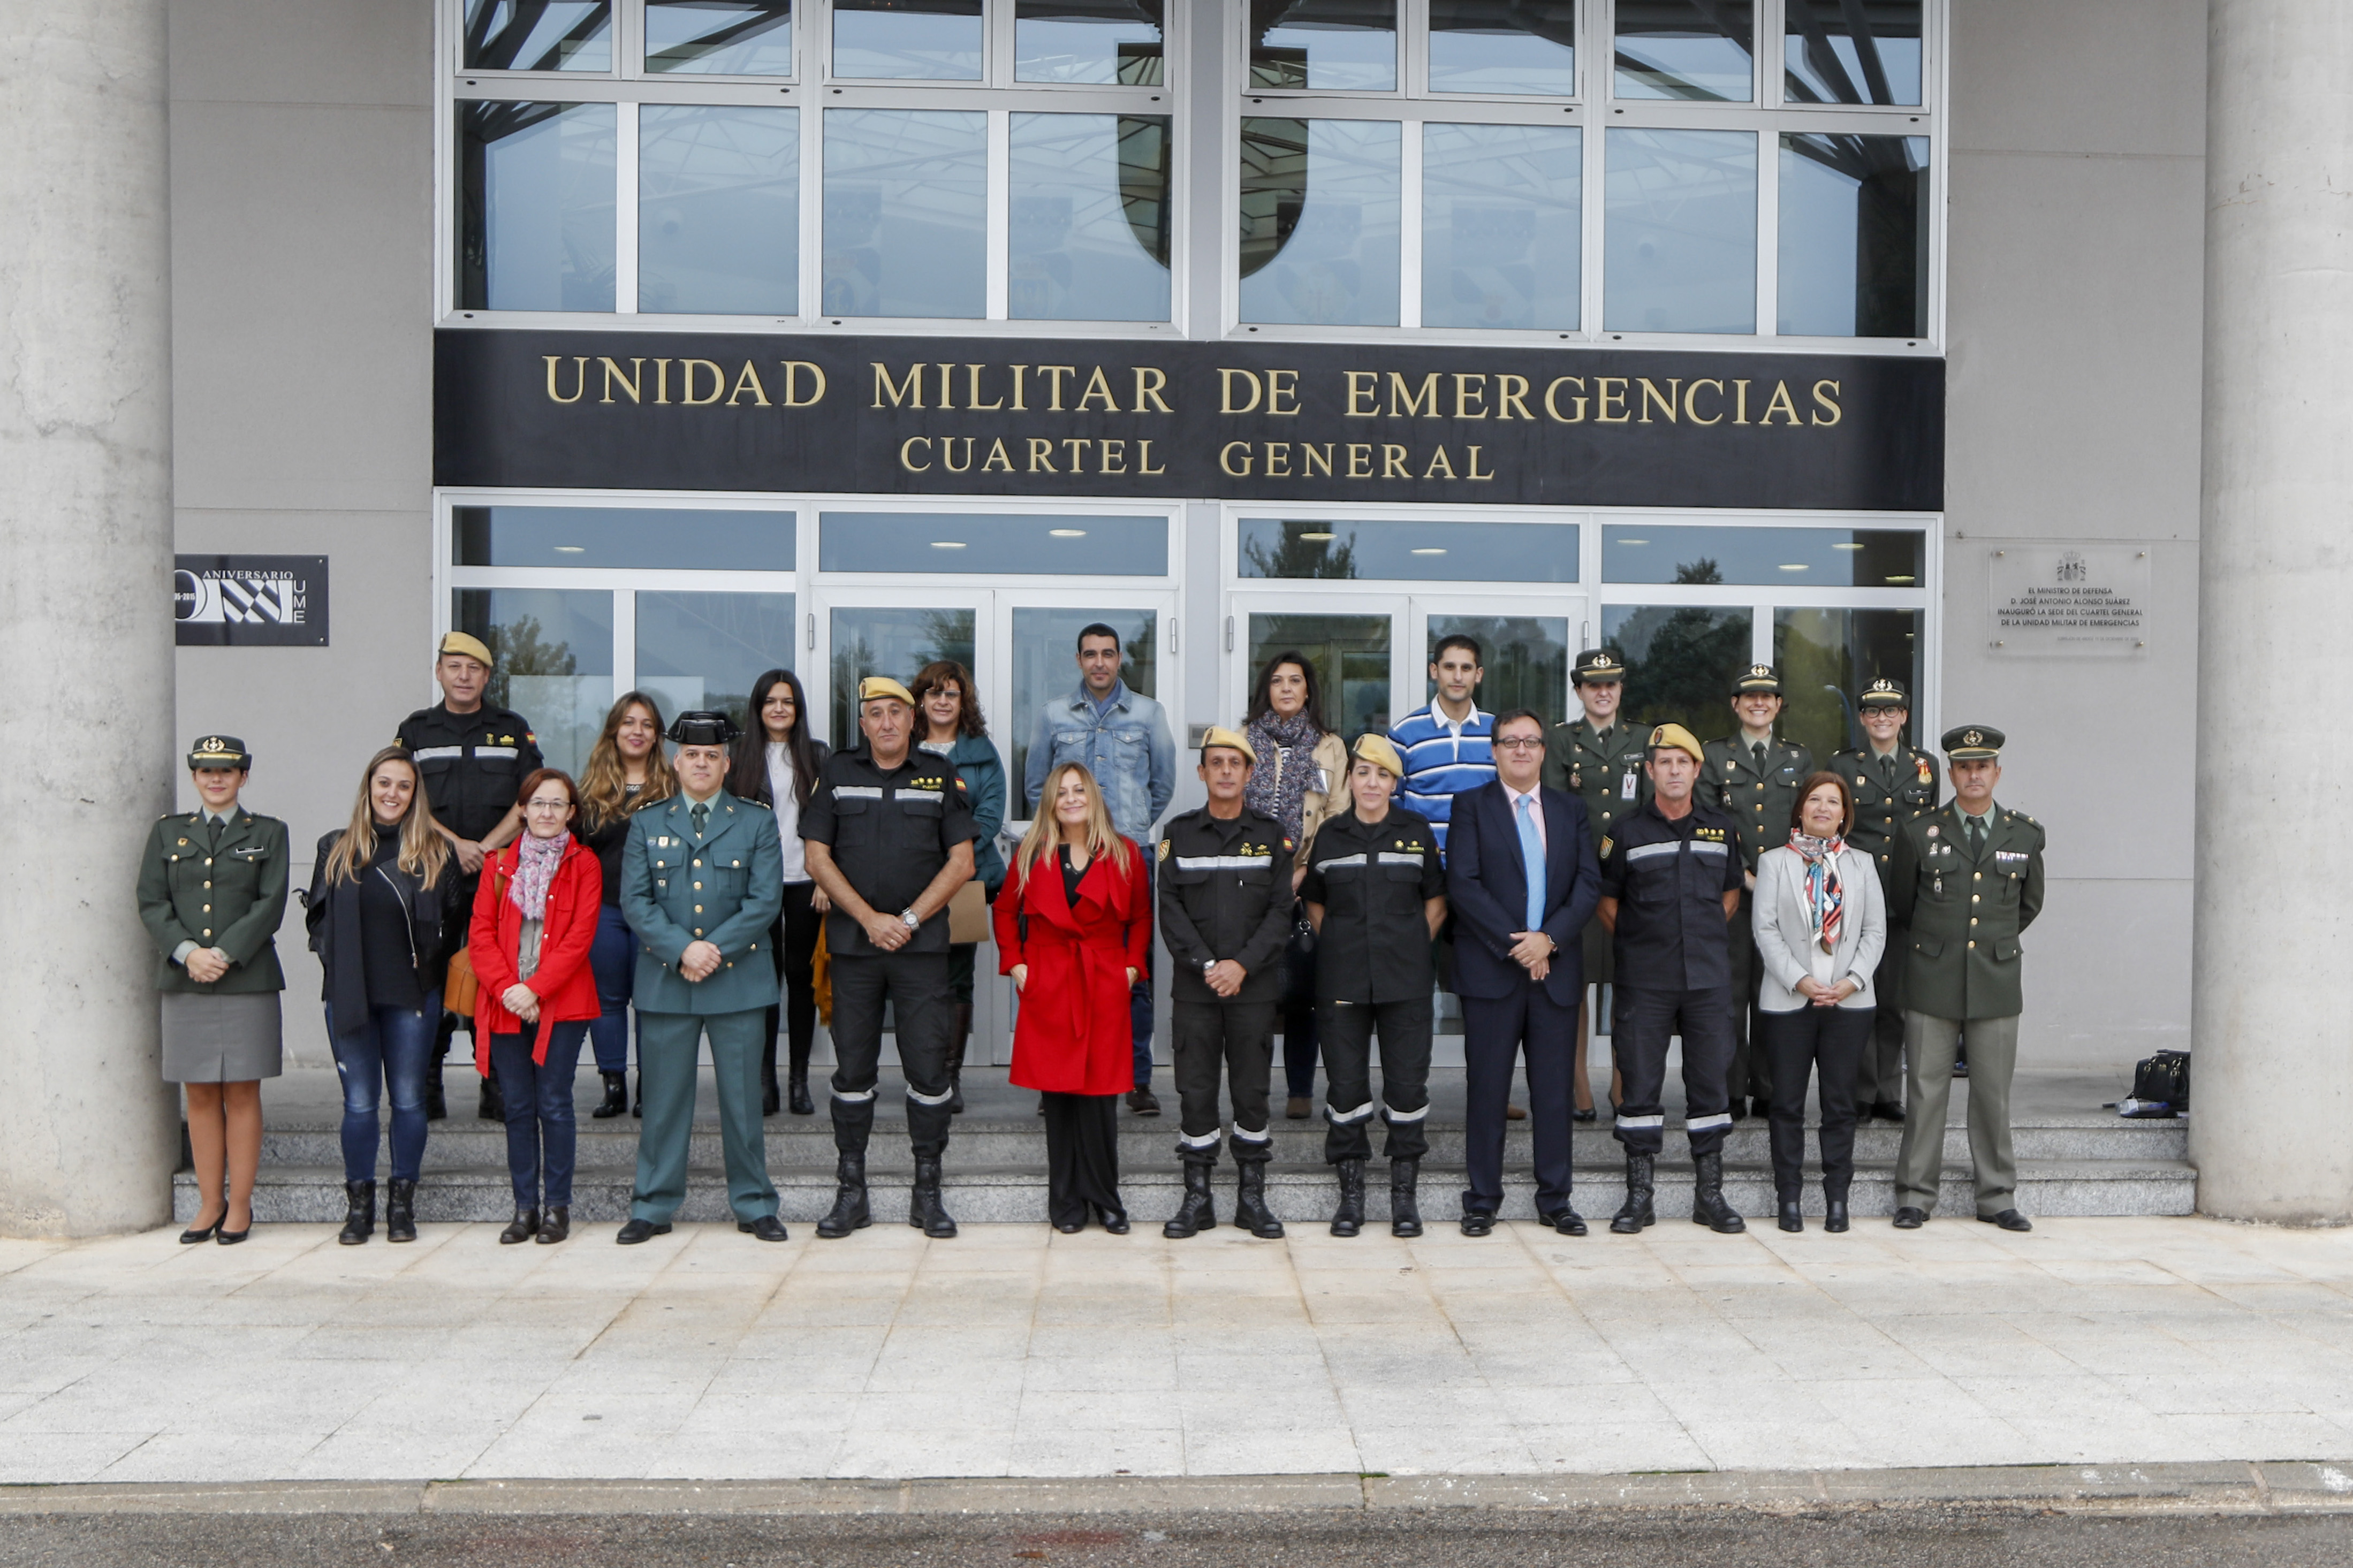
{"x": 1521, "y": 743}
{"x": 549, "y": 805}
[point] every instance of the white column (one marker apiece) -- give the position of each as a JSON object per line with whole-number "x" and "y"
{"x": 88, "y": 1130}
{"x": 2271, "y": 1128}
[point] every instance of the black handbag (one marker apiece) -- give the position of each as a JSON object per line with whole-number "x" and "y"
{"x": 2163, "y": 1079}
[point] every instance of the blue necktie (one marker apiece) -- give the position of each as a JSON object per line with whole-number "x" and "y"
{"x": 1531, "y": 855}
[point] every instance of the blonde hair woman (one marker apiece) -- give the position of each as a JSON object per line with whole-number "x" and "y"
{"x": 627, "y": 771}
{"x": 382, "y": 916}
{"x": 1073, "y": 926}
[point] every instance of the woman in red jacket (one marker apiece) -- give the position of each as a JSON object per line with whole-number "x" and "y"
{"x": 1074, "y": 930}
{"x": 534, "y": 921}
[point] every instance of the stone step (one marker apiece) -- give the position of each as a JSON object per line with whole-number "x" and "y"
{"x": 1299, "y": 1192}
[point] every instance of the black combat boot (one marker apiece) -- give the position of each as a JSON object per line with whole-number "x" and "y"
{"x": 849, "y": 1209}
{"x": 359, "y": 1223}
{"x": 1198, "y": 1210}
{"x": 400, "y": 1211}
{"x": 1634, "y": 1215}
{"x": 960, "y": 1037}
{"x": 796, "y": 1094}
{"x": 1251, "y": 1212}
{"x": 1708, "y": 1207}
{"x": 437, "y": 1099}
{"x": 617, "y": 1096}
{"x": 1405, "y": 1206}
{"x": 521, "y": 1229}
{"x": 1348, "y": 1220}
{"x": 924, "y": 1211}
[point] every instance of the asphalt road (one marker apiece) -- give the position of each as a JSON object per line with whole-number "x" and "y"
{"x": 1893, "y": 1537}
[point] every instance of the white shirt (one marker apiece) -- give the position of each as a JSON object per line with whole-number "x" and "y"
{"x": 788, "y": 811}
{"x": 1535, "y": 809}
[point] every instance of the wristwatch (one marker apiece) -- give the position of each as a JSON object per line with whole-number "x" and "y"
{"x": 908, "y": 915}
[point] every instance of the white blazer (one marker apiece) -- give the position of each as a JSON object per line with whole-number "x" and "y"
{"x": 1784, "y": 936}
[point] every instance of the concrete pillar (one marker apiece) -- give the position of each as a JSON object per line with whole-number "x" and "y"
{"x": 2273, "y": 1009}
{"x": 88, "y": 1130}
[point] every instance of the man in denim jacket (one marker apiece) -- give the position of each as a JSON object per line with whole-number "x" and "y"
{"x": 1122, "y": 738}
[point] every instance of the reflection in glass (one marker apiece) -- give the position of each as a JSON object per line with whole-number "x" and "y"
{"x": 720, "y": 38}
{"x": 1088, "y": 40}
{"x": 1637, "y": 551}
{"x": 892, "y": 642}
{"x": 1826, "y": 656}
{"x": 1680, "y": 661}
{"x": 702, "y": 650}
{"x": 1351, "y": 656}
{"x": 1851, "y": 51}
{"x": 1344, "y": 45}
{"x": 1526, "y": 658}
{"x": 620, "y": 536}
{"x": 719, "y": 209}
{"x": 1692, "y": 49}
{"x": 1503, "y": 45}
{"x": 535, "y": 206}
{"x": 1499, "y": 240}
{"x": 1053, "y": 544}
{"x": 1437, "y": 551}
{"x": 906, "y": 213}
{"x": 538, "y": 36}
{"x": 1088, "y": 239}
{"x": 1045, "y": 666}
{"x": 925, "y": 40}
{"x": 1854, "y": 236}
{"x": 553, "y": 648}
{"x": 1680, "y": 236}
{"x": 1320, "y": 217}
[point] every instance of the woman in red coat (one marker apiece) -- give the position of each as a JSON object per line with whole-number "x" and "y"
{"x": 534, "y": 921}
{"x": 1074, "y": 930}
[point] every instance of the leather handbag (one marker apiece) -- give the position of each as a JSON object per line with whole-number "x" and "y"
{"x": 968, "y": 913}
{"x": 458, "y": 992}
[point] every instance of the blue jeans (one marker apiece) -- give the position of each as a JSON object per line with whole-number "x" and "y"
{"x": 614, "y": 960}
{"x": 1139, "y": 996}
{"x": 389, "y": 1051}
{"x": 542, "y": 1138}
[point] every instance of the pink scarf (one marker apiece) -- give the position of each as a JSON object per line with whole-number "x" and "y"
{"x": 1825, "y": 899}
{"x": 534, "y": 871}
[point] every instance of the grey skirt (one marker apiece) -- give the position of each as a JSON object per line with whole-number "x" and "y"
{"x": 221, "y": 1038}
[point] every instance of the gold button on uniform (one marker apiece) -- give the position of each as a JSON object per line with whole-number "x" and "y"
{"x": 208, "y": 909}
{"x": 208, "y": 883}
{"x": 698, "y": 887}
{"x": 698, "y": 908}
{"x": 1973, "y": 945}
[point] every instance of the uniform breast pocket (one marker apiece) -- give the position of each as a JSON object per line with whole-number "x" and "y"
{"x": 853, "y": 821}
{"x": 920, "y": 821}
{"x": 434, "y": 773}
{"x": 728, "y": 881}
{"x": 1185, "y": 876}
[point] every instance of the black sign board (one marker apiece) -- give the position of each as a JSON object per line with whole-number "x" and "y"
{"x": 249, "y": 601}
{"x": 1258, "y": 421}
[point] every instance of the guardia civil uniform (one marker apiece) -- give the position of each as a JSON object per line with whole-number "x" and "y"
{"x": 1888, "y": 791}
{"x": 1755, "y": 784}
{"x": 1225, "y": 894}
{"x": 1603, "y": 768}
{"x": 702, "y": 872}
{"x": 1967, "y": 888}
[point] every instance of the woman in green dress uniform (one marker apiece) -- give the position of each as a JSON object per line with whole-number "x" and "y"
{"x": 212, "y": 891}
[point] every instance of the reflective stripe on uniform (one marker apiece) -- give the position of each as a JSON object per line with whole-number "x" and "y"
{"x": 1342, "y": 1118}
{"x": 1390, "y": 1115}
{"x": 1699, "y": 847}
{"x": 940, "y": 1098}
{"x": 1644, "y": 851}
{"x": 854, "y": 1097}
{"x": 1222, "y": 862}
{"x": 1206, "y": 1140}
{"x": 507, "y": 752}
{"x": 1244, "y": 1135}
{"x": 433, "y": 753}
{"x": 856, "y": 791}
{"x": 1387, "y": 859}
{"x": 1343, "y": 860}
{"x": 1635, "y": 1123}
{"x": 930, "y": 794}
{"x": 1702, "y": 1123}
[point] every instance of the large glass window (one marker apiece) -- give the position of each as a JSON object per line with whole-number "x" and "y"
{"x": 1680, "y": 661}
{"x": 1690, "y": 50}
{"x": 620, "y": 536}
{"x": 1351, "y": 656}
{"x": 1321, "y": 209}
{"x": 537, "y": 36}
{"x": 1439, "y": 550}
{"x": 1500, "y": 236}
{"x": 1056, "y": 545}
{"x": 1679, "y": 235}
{"x": 1851, "y": 51}
{"x": 1854, "y": 236}
{"x": 553, "y": 648}
{"x": 1524, "y": 47}
{"x": 1045, "y": 645}
{"x": 720, "y": 38}
{"x": 919, "y": 40}
{"x": 1640, "y": 551}
{"x": 1526, "y": 658}
{"x": 702, "y": 650}
{"x": 1341, "y": 45}
{"x": 1088, "y": 41}
{"x": 719, "y": 209}
{"x": 1090, "y": 218}
{"x": 535, "y": 206}
{"x": 1826, "y": 656}
{"x": 906, "y": 213}
{"x": 895, "y": 642}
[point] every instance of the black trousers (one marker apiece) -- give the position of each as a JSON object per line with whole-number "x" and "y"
{"x": 1235, "y": 1038}
{"x": 1879, "y": 1071}
{"x": 1082, "y": 1155}
{"x": 1647, "y": 1021}
{"x": 915, "y": 984}
{"x": 1299, "y": 1014}
{"x": 1751, "y": 1072}
{"x": 1833, "y": 1039}
{"x": 1494, "y": 1029}
{"x": 1347, "y": 1029}
{"x": 792, "y": 942}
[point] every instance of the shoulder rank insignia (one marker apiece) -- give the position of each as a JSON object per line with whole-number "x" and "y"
{"x": 1164, "y": 849}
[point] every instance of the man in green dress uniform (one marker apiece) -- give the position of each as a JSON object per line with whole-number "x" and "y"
{"x": 1967, "y": 880}
{"x": 1753, "y": 775}
{"x": 1894, "y": 783}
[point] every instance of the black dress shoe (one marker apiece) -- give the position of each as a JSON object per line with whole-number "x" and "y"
{"x": 2008, "y": 1219}
{"x": 1587, "y": 1114}
{"x": 1116, "y": 1223}
{"x": 1568, "y": 1222}
{"x": 555, "y": 1225}
{"x": 1911, "y": 1219}
{"x": 1834, "y": 1216}
{"x": 228, "y": 1237}
{"x": 1070, "y": 1227}
{"x": 797, "y": 1098}
{"x": 521, "y": 1229}
{"x": 1143, "y": 1102}
{"x": 192, "y": 1234}
{"x": 1886, "y": 1110}
{"x": 1793, "y": 1216}
{"x": 1478, "y": 1224}
{"x": 639, "y": 1230}
{"x": 768, "y": 1228}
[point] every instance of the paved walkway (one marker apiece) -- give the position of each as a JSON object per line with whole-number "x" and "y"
{"x": 1014, "y": 1351}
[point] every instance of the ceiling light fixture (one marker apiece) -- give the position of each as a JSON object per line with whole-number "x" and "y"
{"x": 1068, "y": 532}
{"x": 947, "y": 544}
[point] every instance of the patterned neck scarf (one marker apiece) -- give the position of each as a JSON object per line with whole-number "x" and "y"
{"x": 534, "y": 870}
{"x": 1825, "y": 899}
{"x": 1276, "y": 788}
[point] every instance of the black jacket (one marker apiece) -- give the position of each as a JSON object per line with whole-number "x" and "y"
{"x": 1225, "y": 892}
{"x": 436, "y": 928}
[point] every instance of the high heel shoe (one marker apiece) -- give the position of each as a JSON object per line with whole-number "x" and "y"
{"x": 227, "y": 1238}
{"x": 195, "y": 1234}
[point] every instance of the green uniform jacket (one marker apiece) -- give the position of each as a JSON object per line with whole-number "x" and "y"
{"x": 1608, "y": 776}
{"x": 1878, "y": 809}
{"x": 230, "y": 895}
{"x": 723, "y": 888}
{"x": 1759, "y": 803}
{"x": 1965, "y": 911}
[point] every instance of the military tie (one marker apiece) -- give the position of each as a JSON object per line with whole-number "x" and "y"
{"x": 211, "y": 834}
{"x": 1976, "y": 834}
{"x": 1888, "y": 771}
{"x": 1756, "y": 750}
{"x": 700, "y": 814}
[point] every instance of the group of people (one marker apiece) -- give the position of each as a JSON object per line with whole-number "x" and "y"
{"x": 1784, "y": 923}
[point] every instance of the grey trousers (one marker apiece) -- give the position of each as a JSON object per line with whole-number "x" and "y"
{"x": 1928, "y": 1047}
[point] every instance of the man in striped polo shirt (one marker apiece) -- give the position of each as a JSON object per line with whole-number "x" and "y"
{"x": 1446, "y": 743}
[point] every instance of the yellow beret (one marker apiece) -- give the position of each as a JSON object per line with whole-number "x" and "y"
{"x": 1375, "y": 749}
{"x": 1220, "y": 735}
{"x": 472, "y": 647}
{"x": 1677, "y": 738}
{"x": 875, "y": 686}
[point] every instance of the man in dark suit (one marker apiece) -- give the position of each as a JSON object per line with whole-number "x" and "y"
{"x": 1521, "y": 880}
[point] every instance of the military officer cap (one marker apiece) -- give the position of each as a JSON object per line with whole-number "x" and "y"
{"x": 1884, "y": 693}
{"x": 1675, "y": 737}
{"x": 1973, "y": 742}
{"x": 1375, "y": 748}
{"x": 220, "y": 751}
{"x": 1757, "y": 678}
{"x": 472, "y": 647}
{"x": 1220, "y": 735}
{"x": 875, "y": 686}
{"x": 704, "y": 728}
{"x": 1596, "y": 664}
